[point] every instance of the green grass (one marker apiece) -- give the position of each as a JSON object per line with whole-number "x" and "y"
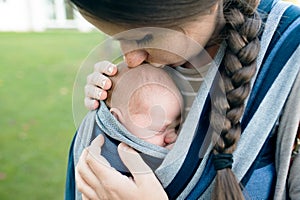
{"x": 37, "y": 72}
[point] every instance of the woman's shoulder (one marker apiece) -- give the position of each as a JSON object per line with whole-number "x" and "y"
{"x": 266, "y": 6}
{"x": 281, "y": 15}
{"x": 280, "y": 36}
{"x": 280, "y": 22}
{"x": 280, "y": 51}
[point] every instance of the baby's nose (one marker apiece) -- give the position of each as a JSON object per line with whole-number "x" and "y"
{"x": 161, "y": 139}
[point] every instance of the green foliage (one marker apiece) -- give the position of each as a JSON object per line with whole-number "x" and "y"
{"x": 37, "y": 72}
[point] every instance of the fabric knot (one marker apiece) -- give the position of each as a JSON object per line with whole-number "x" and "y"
{"x": 222, "y": 161}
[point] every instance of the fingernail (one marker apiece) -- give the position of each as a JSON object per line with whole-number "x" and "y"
{"x": 157, "y": 65}
{"x": 103, "y": 82}
{"x": 123, "y": 147}
{"x": 99, "y": 95}
{"x": 110, "y": 69}
{"x": 95, "y": 106}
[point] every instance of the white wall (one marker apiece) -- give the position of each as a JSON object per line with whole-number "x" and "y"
{"x": 14, "y": 15}
{"x": 33, "y": 15}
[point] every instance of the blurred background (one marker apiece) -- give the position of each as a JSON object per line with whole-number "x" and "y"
{"x": 42, "y": 45}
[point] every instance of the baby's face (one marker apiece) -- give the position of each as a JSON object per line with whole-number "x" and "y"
{"x": 161, "y": 117}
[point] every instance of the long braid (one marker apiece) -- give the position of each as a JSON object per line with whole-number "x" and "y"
{"x": 242, "y": 28}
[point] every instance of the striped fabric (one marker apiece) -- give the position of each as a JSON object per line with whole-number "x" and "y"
{"x": 276, "y": 75}
{"x": 188, "y": 80}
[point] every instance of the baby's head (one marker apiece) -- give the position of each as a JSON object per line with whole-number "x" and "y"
{"x": 146, "y": 101}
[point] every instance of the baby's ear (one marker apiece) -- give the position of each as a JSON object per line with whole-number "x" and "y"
{"x": 117, "y": 114}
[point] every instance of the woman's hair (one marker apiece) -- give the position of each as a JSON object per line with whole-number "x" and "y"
{"x": 239, "y": 64}
{"x": 144, "y": 13}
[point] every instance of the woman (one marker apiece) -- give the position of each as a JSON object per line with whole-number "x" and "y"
{"x": 251, "y": 103}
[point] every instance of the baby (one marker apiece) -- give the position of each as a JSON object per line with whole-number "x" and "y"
{"x": 143, "y": 107}
{"x": 146, "y": 101}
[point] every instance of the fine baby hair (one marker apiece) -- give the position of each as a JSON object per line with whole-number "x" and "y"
{"x": 146, "y": 101}
{"x": 128, "y": 81}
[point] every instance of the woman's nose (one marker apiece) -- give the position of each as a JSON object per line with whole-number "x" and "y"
{"x": 135, "y": 58}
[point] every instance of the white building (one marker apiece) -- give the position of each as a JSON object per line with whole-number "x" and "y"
{"x": 39, "y": 15}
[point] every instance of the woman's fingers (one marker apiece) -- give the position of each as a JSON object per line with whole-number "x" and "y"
{"x": 83, "y": 170}
{"x": 93, "y": 92}
{"x": 96, "y": 162}
{"x": 148, "y": 185}
{"x": 108, "y": 183}
{"x": 101, "y": 71}
{"x": 88, "y": 182}
{"x": 94, "y": 152}
{"x": 87, "y": 191}
{"x": 105, "y": 67}
{"x": 97, "y": 142}
{"x": 99, "y": 80}
{"x": 135, "y": 164}
{"x": 98, "y": 83}
{"x": 110, "y": 180}
{"x": 83, "y": 174}
{"x": 85, "y": 197}
{"x": 133, "y": 160}
{"x": 91, "y": 104}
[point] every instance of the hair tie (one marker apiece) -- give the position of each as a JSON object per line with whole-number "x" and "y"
{"x": 222, "y": 160}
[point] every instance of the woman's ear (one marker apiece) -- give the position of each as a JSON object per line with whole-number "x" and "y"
{"x": 117, "y": 114}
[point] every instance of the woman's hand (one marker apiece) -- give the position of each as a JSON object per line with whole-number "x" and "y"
{"x": 98, "y": 83}
{"x": 96, "y": 179}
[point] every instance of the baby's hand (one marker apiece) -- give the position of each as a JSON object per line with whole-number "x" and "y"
{"x": 98, "y": 83}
